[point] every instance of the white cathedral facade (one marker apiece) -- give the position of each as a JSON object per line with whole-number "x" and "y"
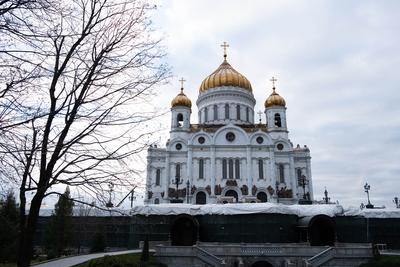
{"x": 228, "y": 157}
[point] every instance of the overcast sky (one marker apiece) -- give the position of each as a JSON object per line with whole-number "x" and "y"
{"x": 337, "y": 64}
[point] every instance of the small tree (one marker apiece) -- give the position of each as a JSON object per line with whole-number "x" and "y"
{"x": 145, "y": 251}
{"x": 58, "y": 235}
{"x": 8, "y": 228}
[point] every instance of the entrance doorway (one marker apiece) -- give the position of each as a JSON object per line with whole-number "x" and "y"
{"x": 232, "y": 193}
{"x": 321, "y": 231}
{"x": 184, "y": 231}
{"x": 201, "y": 198}
{"x": 262, "y": 197}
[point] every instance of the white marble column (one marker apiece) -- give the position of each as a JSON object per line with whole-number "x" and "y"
{"x": 249, "y": 163}
{"x": 189, "y": 165}
{"x": 213, "y": 172}
{"x": 167, "y": 176}
{"x": 309, "y": 178}
{"x": 293, "y": 180}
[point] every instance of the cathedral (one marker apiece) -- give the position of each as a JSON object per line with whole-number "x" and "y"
{"x": 228, "y": 157}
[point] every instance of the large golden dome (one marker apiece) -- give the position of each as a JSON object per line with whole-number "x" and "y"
{"x": 274, "y": 100}
{"x": 225, "y": 75}
{"x": 181, "y": 100}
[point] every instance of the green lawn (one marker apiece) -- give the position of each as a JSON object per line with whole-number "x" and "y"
{"x": 384, "y": 261}
{"x": 125, "y": 260}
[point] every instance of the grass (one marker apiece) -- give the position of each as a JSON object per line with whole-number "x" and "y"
{"x": 383, "y": 261}
{"x": 125, "y": 260}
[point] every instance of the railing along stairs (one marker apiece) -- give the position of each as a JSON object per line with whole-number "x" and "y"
{"x": 321, "y": 257}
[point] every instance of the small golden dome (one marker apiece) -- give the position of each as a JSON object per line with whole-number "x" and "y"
{"x": 274, "y": 100}
{"x": 181, "y": 100}
{"x": 225, "y": 75}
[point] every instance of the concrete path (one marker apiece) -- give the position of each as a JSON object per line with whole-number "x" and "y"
{"x": 70, "y": 261}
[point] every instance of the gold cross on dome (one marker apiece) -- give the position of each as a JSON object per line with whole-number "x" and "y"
{"x": 225, "y": 45}
{"x": 182, "y": 81}
{"x": 273, "y": 80}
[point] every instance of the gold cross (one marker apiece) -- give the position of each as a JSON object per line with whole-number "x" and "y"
{"x": 182, "y": 81}
{"x": 273, "y": 80}
{"x": 225, "y": 45}
{"x": 260, "y": 114}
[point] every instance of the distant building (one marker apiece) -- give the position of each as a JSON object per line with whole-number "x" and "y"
{"x": 228, "y": 156}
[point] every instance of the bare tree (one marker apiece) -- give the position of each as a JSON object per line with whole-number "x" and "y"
{"x": 95, "y": 63}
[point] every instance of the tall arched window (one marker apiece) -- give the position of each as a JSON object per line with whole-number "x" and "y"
{"x": 201, "y": 168}
{"x": 179, "y": 120}
{"x": 260, "y": 169}
{"x": 226, "y": 111}
{"x": 224, "y": 169}
{"x": 156, "y": 201}
{"x": 215, "y": 112}
{"x": 200, "y": 117}
{"x": 247, "y": 114}
{"x": 238, "y": 112}
{"x": 178, "y": 171}
{"x": 281, "y": 173}
{"x": 278, "y": 122}
{"x": 205, "y": 114}
{"x": 237, "y": 169}
{"x": 158, "y": 176}
{"x": 230, "y": 169}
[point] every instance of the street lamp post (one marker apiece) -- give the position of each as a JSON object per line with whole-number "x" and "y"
{"x": 367, "y": 187}
{"x": 276, "y": 191}
{"x": 326, "y": 198}
{"x": 396, "y": 201}
{"x": 303, "y": 183}
{"x": 177, "y": 182}
{"x": 187, "y": 191}
{"x": 110, "y": 191}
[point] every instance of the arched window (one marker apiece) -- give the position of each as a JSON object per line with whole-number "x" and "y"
{"x": 226, "y": 111}
{"x": 201, "y": 168}
{"x": 158, "y": 176}
{"x": 156, "y": 201}
{"x": 179, "y": 120}
{"x": 200, "y": 117}
{"x": 281, "y": 173}
{"x": 215, "y": 112}
{"x": 299, "y": 176}
{"x": 278, "y": 122}
{"x": 260, "y": 169}
{"x": 224, "y": 169}
{"x": 230, "y": 169}
{"x": 205, "y": 114}
{"x": 237, "y": 168}
{"x": 247, "y": 114}
{"x": 262, "y": 197}
{"x": 238, "y": 112}
{"x": 178, "y": 171}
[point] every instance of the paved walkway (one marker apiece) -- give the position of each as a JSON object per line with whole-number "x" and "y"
{"x": 70, "y": 261}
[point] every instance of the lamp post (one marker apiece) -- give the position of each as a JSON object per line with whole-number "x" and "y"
{"x": 276, "y": 191}
{"x": 177, "y": 182}
{"x": 187, "y": 191}
{"x": 111, "y": 189}
{"x": 303, "y": 183}
{"x": 396, "y": 201}
{"x": 326, "y": 198}
{"x": 367, "y": 187}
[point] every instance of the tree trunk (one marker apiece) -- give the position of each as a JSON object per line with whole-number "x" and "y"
{"x": 25, "y": 250}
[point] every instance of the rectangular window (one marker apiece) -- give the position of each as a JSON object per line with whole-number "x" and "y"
{"x": 247, "y": 114}
{"x": 205, "y": 114}
{"x": 238, "y": 112}
{"x": 230, "y": 169}
{"x": 224, "y": 172}
{"x": 201, "y": 169}
{"x": 281, "y": 173}
{"x": 260, "y": 169}
{"x": 299, "y": 177}
{"x": 226, "y": 111}
{"x": 158, "y": 176}
{"x": 237, "y": 169}
{"x": 215, "y": 112}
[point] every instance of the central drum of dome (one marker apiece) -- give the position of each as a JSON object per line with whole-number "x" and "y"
{"x": 225, "y": 75}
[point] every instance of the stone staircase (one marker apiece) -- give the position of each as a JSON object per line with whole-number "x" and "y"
{"x": 321, "y": 257}
{"x": 208, "y": 258}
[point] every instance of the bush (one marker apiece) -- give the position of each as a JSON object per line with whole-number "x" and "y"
{"x": 383, "y": 261}
{"x": 98, "y": 243}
